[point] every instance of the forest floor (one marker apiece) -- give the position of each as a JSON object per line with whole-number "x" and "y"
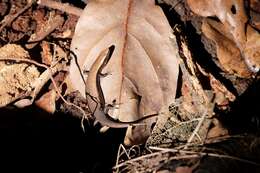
{"x": 51, "y": 137}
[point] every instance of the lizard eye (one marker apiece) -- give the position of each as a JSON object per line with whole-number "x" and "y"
{"x": 85, "y": 71}
{"x": 114, "y": 101}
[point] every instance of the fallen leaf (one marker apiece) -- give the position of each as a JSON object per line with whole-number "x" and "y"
{"x": 47, "y": 101}
{"x": 228, "y": 54}
{"x": 142, "y": 72}
{"x": 255, "y": 18}
{"x": 252, "y": 49}
{"x": 217, "y": 130}
{"x": 44, "y": 29}
{"x": 231, "y": 14}
{"x": 255, "y": 5}
{"x": 233, "y": 24}
{"x": 16, "y": 78}
{"x": 222, "y": 96}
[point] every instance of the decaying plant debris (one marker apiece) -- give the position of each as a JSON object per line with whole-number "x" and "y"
{"x": 128, "y": 59}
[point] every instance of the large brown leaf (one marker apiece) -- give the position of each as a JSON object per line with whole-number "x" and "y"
{"x": 143, "y": 70}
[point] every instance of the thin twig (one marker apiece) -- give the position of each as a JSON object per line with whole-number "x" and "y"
{"x": 175, "y": 5}
{"x": 204, "y": 154}
{"x": 195, "y": 132}
{"x": 65, "y": 7}
{"x": 154, "y": 154}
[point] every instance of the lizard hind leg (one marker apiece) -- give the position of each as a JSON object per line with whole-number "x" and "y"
{"x": 104, "y": 129}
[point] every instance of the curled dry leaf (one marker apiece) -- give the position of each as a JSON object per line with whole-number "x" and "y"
{"x": 252, "y": 48}
{"x": 231, "y": 14}
{"x": 16, "y": 78}
{"x": 255, "y": 19}
{"x": 228, "y": 54}
{"x": 255, "y": 13}
{"x": 234, "y": 26}
{"x": 142, "y": 72}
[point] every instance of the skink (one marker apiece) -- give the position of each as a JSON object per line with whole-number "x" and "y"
{"x": 94, "y": 92}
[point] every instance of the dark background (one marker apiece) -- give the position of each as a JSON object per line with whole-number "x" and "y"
{"x": 34, "y": 141}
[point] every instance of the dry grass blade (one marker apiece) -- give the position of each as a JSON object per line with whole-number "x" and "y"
{"x": 203, "y": 154}
{"x": 119, "y": 154}
{"x": 138, "y": 159}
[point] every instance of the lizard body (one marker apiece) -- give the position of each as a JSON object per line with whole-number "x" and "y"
{"x": 93, "y": 87}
